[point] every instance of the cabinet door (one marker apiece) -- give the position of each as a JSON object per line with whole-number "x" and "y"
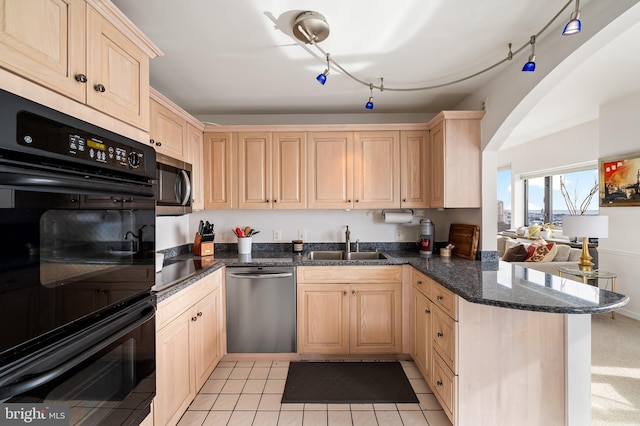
{"x": 219, "y": 171}
{"x": 206, "y": 338}
{"x": 289, "y": 170}
{"x": 44, "y": 41}
{"x": 414, "y": 169}
{"x": 330, "y": 170}
{"x": 168, "y": 131}
{"x": 455, "y": 163}
{"x": 375, "y": 317}
{"x": 175, "y": 386}
{"x": 437, "y": 153}
{"x": 422, "y": 334}
{"x": 194, "y": 154}
{"x": 376, "y": 170}
{"x": 323, "y": 318}
{"x": 254, "y": 170}
{"x": 117, "y": 72}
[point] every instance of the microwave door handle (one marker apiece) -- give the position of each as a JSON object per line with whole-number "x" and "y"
{"x": 183, "y": 180}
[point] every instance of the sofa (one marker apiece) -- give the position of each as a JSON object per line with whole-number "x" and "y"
{"x": 560, "y": 255}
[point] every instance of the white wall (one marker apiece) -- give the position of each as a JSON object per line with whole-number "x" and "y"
{"x": 620, "y": 253}
{"x": 319, "y": 225}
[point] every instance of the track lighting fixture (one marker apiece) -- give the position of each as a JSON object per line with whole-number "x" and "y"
{"x": 531, "y": 65}
{"x": 574, "y": 25}
{"x": 369, "y": 104}
{"x": 312, "y": 28}
{"x": 322, "y": 78}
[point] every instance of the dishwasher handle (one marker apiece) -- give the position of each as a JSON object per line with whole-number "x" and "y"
{"x": 259, "y": 275}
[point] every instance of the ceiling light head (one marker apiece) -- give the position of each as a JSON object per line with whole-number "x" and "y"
{"x": 369, "y": 104}
{"x": 310, "y": 27}
{"x": 322, "y": 78}
{"x": 530, "y": 66}
{"x": 574, "y": 25}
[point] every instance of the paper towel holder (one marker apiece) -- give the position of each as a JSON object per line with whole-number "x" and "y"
{"x": 407, "y": 213}
{"x": 385, "y": 211}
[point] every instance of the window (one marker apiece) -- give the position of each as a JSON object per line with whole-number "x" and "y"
{"x": 504, "y": 199}
{"x": 544, "y": 199}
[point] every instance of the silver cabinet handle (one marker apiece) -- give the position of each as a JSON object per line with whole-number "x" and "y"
{"x": 440, "y": 334}
{"x": 440, "y": 298}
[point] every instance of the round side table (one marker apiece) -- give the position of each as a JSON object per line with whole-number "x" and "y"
{"x": 591, "y": 275}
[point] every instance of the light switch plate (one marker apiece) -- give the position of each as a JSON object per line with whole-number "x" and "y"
{"x": 399, "y": 234}
{"x": 277, "y": 235}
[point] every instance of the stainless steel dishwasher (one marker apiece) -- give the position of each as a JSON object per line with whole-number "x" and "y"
{"x": 261, "y": 309}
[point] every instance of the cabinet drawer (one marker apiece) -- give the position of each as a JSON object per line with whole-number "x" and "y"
{"x": 444, "y": 337}
{"x": 349, "y": 274}
{"x": 421, "y": 283}
{"x": 444, "y": 386}
{"x": 444, "y": 299}
{"x": 175, "y": 305}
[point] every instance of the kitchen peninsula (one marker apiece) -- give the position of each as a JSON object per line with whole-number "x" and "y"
{"x": 513, "y": 333}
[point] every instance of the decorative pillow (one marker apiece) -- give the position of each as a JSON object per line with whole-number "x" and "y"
{"x": 516, "y": 253}
{"x": 543, "y": 253}
{"x": 563, "y": 253}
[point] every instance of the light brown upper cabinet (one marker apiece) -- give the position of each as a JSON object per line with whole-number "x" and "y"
{"x": 271, "y": 170}
{"x": 454, "y": 139}
{"x": 289, "y": 170}
{"x": 168, "y": 131}
{"x": 72, "y": 49}
{"x": 414, "y": 169}
{"x": 254, "y": 170}
{"x": 330, "y": 183}
{"x": 354, "y": 170}
{"x": 219, "y": 170}
{"x": 376, "y": 170}
{"x": 194, "y": 156}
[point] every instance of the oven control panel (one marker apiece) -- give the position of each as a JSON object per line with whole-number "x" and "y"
{"x": 47, "y": 135}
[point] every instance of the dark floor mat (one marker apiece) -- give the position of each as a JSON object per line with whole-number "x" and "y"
{"x": 347, "y": 383}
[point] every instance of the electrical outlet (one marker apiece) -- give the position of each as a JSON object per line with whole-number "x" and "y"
{"x": 302, "y": 234}
{"x": 399, "y": 234}
{"x": 277, "y": 235}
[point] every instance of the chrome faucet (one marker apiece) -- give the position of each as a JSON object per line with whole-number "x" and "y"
{"x": 347, "y": 236}
{"x": 137, "y": 244}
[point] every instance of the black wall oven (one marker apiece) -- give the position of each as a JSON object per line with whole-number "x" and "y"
{"x": 77, "y": 262}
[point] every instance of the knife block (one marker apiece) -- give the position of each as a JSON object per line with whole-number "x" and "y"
{"x": 202, "y": 248}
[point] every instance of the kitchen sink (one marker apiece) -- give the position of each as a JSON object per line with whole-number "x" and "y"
{"x": 342, "y": 255}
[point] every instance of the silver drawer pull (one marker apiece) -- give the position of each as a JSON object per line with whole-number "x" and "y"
{"x": 439, "y": 383}
{"x": 440, "y": 334}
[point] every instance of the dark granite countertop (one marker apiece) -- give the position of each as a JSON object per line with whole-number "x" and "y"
{"x": 491, "y": 283}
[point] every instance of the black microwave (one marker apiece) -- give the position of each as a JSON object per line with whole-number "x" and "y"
{"x": 174, "y": 196}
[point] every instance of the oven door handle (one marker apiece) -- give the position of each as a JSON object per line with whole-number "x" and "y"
{"x": 42, "y": 179}
{"x": 82, "y": 347}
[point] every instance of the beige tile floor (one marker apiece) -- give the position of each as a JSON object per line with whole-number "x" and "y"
{"x": 249, "y": 393}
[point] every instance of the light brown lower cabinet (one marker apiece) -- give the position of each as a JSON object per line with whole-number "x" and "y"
{"x": 349, "y": 309}
{"x": 488, "y": 365}
{"x": 435, "y": 338}
{"x": 188, "y": 345}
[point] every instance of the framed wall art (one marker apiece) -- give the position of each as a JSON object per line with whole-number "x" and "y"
{"x": 620, "y": 181}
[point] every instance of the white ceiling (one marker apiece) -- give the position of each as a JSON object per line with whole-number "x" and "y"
{"x": 239, "y": 57}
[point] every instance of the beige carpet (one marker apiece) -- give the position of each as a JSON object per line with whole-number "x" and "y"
{"x": 615, "y": 370}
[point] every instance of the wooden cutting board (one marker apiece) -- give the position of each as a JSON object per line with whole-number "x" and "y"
{"x": 465, "y": 240}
